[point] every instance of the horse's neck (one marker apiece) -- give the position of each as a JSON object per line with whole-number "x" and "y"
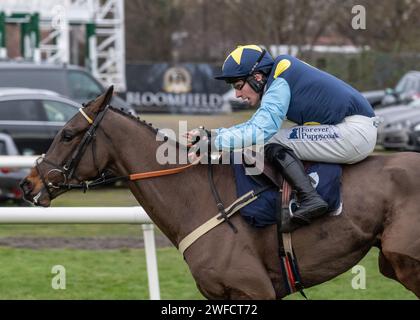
{"x": 171, "y": 201}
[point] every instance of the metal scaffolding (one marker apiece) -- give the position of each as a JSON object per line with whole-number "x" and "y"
{"x": 45, "y": 28}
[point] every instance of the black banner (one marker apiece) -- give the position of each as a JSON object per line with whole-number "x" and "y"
{"x": 180, "y": 88}
{"x": 184, "y": 309}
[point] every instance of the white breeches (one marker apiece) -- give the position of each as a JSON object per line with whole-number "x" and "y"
{"x": 347, "y": 142}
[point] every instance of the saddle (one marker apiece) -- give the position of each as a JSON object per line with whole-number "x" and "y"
{"x": 253, "y": 171}
{"x": 268, "y": 173}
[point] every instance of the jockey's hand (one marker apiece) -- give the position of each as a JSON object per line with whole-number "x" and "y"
{"x": 198, "y": 143}
{"x": 195, "y": 135}
{"x": 194, "y": 154}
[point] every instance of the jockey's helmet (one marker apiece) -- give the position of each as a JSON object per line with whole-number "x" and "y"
{"x": 244, "y": 61}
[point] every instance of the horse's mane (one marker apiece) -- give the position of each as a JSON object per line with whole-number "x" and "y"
{"x": 148, "y": 125}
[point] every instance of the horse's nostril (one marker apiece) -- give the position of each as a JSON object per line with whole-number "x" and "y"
{"x": 26, "y": 186}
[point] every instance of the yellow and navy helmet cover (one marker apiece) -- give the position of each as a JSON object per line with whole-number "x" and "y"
{"x": 241, "y": 60}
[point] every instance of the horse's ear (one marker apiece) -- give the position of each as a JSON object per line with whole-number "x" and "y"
{"x": 108, "y": 96}
{"x": 103, "y": 100}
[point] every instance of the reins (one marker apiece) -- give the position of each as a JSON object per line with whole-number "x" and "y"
{"x": 103, "y": 180}
{"x": 70, "y": 166}
{"x": 158, "y": 173}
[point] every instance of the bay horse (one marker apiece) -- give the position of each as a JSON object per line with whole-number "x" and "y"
{"x": 380, "y": 199}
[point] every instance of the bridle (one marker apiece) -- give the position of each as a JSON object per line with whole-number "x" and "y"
{"x": 68, "y": 169}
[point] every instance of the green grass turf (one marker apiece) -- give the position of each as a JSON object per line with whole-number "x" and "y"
{"x": 91, "y": 274}
{"x": 121, "y": 274}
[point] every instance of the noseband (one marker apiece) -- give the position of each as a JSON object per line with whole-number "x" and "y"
{"x": 68, "y": 169}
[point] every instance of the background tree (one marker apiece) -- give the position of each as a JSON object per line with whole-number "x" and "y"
{"x": 391, "y": 26}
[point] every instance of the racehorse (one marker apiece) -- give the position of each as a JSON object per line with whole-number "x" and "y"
{"x": 380, "y": 197}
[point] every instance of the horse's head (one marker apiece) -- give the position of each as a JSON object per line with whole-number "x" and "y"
{"x": 75, "y": 156}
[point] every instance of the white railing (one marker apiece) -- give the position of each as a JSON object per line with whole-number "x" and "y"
{"x": 17, "y": 161}
{"x": 85, "y": 215}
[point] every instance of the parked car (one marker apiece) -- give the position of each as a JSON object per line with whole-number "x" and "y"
{"x": 68, "y": 80}
{"x": 374, "y": 97}
{"x": 393, "y": 114}
{"x": 405, "y": 90}
{"x": 413, "y": 142}
{"x": 10, "y": 177}
{"x": 33, "y": 117}
{"x": 395, "y": 124}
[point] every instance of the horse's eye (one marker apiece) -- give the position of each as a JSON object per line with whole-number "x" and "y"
{"x": 66, "y": 135}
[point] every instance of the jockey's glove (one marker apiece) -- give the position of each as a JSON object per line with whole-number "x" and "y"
{"x": 202, "y": 141}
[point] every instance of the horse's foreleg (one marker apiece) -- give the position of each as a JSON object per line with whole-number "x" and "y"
{"x": 385, "y": 267}
{"x": 254, "y": 287}
{"x": 400, "y": 245}
{"x": 407, "y": 270}
{"x": 235, "y": 284}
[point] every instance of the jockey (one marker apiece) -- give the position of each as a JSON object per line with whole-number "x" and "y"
{"x": 335, "y": 123}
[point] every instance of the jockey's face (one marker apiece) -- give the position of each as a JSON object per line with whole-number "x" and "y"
{"x": 244, "y": 91}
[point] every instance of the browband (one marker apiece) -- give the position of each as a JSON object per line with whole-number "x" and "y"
{"x": 86, "y": 116}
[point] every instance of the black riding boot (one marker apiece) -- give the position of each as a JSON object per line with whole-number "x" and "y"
{"x": 311, "y": 205}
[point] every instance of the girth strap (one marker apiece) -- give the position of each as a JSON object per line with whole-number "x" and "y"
{"x": 239, "y": 203}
